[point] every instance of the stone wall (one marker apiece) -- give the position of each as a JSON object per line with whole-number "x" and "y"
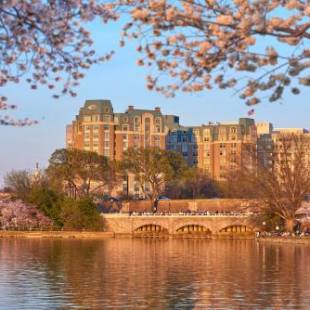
{"x": 185, "y": 205}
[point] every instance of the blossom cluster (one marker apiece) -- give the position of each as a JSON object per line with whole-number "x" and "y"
{"x": 18, "y": 215}
{"x": 250, "y": 46}
{"x": 47, "y": 43}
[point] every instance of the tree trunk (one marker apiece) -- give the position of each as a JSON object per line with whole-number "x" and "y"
{"x": 154, "y": 204}
{"x": 289, "y": 225}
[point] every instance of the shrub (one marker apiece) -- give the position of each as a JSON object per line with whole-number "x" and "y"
{"x": 80, "y": 215}
{"x": 49, "y": 202}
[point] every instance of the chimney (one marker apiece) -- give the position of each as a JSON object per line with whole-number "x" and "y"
{"x": 157, "y": 109}
{"x": 130, "y": 108}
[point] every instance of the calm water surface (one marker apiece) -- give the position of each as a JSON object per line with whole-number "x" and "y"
{"x": 153, "y": 274}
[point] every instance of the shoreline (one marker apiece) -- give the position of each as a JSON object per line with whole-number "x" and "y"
{"x": 57, "y": 234}
{"x": 90, "y": 235}
{"x": 291, "y": 240}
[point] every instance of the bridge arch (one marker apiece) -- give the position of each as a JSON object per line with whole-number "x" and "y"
{"x": 236, "y": 229}
{"x": 193, "y": 229}
{"x": 150, "y": 229}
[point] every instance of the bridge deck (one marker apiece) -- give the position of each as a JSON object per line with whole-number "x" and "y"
{"x": 121, "y": 223}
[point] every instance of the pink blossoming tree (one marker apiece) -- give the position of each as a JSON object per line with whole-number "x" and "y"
{"x": 20, "y": 216}
{"x": 46, "y": 43}
{"x": 259, "y": 48}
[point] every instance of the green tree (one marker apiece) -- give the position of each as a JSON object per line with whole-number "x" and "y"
{"x": 80, "y": 214}
{"x": 153, "y": 168}
{"x": 195, "y": 183}
{"x": 49, "y": 202}
{"x": 82, "y": 173}
{"x": 199, "y": 184}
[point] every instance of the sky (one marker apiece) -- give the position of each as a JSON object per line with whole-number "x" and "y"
{"x": 122, "y": 82}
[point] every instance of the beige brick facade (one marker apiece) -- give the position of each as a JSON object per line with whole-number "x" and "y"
{"x": 216, "y": 148}
{"x": 97, "y": 128}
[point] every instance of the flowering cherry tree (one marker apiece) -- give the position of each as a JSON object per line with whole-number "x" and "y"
{"x": 47, "y": 43}
{"x": 21, "y": 216}
{"x": 259, "y": 48}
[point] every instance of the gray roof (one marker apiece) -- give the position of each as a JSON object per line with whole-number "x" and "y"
{"x": 100, "y": 106}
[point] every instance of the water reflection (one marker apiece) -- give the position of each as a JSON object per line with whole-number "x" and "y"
{"x": 153, "y": 274}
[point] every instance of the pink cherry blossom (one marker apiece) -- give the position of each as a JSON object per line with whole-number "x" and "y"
{"x": 40, "y": 39}
{"x": 16, "y": 215}
{"x": 254, "y": 41}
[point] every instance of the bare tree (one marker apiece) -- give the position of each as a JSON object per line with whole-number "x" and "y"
{"x": 19, "y": 181}
{"x": 153, "y": 168}
{"x": 281, "y": 188}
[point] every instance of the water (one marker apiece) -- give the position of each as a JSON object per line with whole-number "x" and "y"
{"x": 153, "y": 274}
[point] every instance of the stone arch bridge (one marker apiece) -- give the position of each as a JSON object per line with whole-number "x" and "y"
{"x": 143, "y": 225}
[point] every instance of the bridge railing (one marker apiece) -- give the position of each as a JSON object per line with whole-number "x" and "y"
{"x": 181, "y": 214}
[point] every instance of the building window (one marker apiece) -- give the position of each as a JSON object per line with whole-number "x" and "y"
{"x": 124, "y": 186}
{"x": 136, "y": 141}
{"x": 157, "y": 141}
{"x": 157, "y": 124}
{"x": 95, "y": 118}
{"x": 125, "y": 142}
{"x": 137, "y": 123}
{"x": 136, "y": 187}
{"x": 106, "y": 118}
{"x": 147, "y": 125}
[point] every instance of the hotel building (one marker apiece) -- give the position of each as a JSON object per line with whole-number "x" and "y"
{"x": 216, "y": 148}
{"x": 97, "y": 128}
